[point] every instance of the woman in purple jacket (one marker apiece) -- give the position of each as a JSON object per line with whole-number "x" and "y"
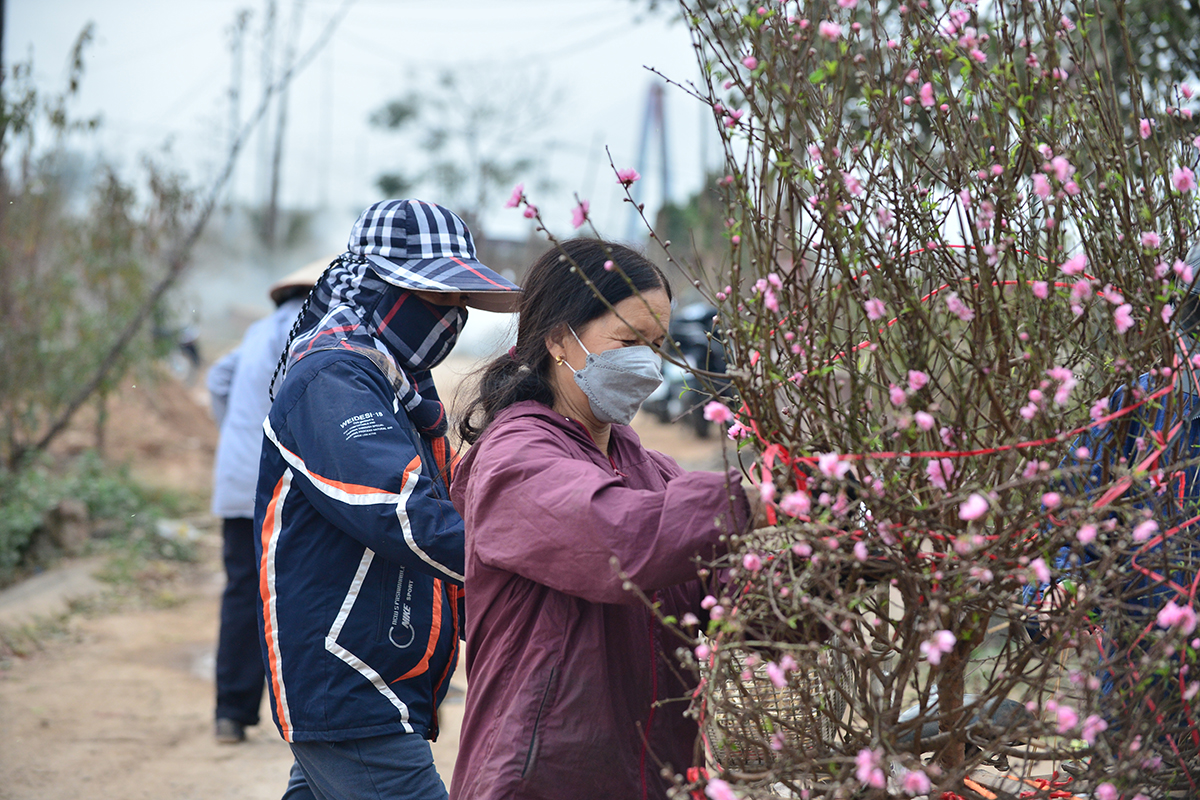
{"x": 573, "y": 690}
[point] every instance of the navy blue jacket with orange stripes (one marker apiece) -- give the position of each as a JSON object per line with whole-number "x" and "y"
{"x": 360, "y": 556}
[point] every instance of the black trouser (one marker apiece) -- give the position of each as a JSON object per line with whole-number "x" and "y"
{"x": 240, "y": 673}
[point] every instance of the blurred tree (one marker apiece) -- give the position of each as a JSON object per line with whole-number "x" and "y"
{"x": 77, "y": 247}
{"x": 1167, "y": 39}
{"x": 478, "y": 134}
{"x": 695, "y": 228}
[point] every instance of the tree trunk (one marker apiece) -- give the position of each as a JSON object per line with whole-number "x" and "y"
{"x": 951, "y": 689}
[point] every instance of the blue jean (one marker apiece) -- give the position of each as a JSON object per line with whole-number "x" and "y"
{"x": 240, "y": 671}
{"x": 394, "y": 767}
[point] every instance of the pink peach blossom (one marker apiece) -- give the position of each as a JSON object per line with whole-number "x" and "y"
{"x": 718, "y": 789}
{"x": 1066, "y": 382}
{"x": 939, "y": 472}
{"x": 973, "y": 507}
{"x": 1041, "y": 186}
{"x": 958, "y": 308}
{"x": 867, "y": 769}
{"x": 1183, "y": 179}
{"x": 938, "y": 645}
{"x": 718, "y": 412}
{"x": 1074, "y": 265}
{"x": 776, "y": 674}
{"x": 579, "y": 214}
{"x": 795, "y": 504}
{"x": 1176, "y": 616}
{"x": 927, "y": 95}
{"x": 1040, "y": 570}
{"x": 626, "y": 177}
{"x": 518, "y": 193}
{"x": 916, "y": 782}
{"x": 1144, "y": 530}
{"x": 1093, "y": 726}
{"x": 832, "y": 466}
{"x": 1067, "y": 718}
{"x": 1123, "y": 318}
{"x": 1063, "y": 169}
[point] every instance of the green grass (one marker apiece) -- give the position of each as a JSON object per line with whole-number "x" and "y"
{"x": 124, "y": 516}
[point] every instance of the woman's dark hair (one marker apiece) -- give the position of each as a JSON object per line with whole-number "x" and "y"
{"x": 568, "y": 285}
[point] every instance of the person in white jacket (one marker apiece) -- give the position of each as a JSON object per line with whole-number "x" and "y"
{"x": 238, "y": 385}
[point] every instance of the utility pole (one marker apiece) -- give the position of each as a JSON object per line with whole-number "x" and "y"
{"x": 326, "y": 137}
{"x": 267, "y": 70}
{"x": 237, "y": 48}
{"x": 654, "y": 120}
{"x": 271, "y": 219}
{"x": 2, "y": 20}
{"x": 3, "y": 67}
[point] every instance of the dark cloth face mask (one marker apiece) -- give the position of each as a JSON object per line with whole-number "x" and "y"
{"x": 617, "y": 382}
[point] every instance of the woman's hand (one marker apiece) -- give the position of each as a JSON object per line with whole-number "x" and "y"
{"x": 758, "y": 508}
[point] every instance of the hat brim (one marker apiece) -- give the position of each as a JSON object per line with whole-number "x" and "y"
{"x": 484, "y": 287}
{"x": 305, "y": 277}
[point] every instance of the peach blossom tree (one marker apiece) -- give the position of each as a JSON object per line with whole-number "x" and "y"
{"x": 956, "y": 254}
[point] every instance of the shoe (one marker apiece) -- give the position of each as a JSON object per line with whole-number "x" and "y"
{"x": 230, "y": 731}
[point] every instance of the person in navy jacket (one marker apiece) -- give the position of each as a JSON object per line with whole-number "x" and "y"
{"x": 360, "y": 549}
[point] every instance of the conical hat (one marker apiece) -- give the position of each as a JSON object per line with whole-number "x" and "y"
{"x": 305, "y": 277}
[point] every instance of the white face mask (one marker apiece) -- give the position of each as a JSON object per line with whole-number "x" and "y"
{"x": 617, "y": 382}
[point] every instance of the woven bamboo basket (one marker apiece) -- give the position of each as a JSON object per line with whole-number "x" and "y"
{"x": 745, "y": 714}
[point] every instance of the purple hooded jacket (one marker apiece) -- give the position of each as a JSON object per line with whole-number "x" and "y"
{"x": 566, "y": 669}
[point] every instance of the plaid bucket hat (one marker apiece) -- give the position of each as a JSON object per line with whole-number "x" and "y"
{"x": 418, "y": 245}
